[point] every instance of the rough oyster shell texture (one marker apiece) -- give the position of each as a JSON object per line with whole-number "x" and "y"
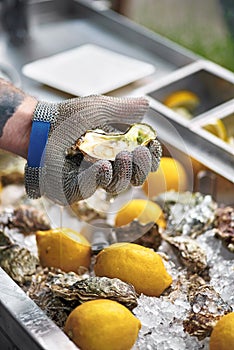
{"x": 96, "y": 144}
{"x": 207, "y": 307}
{"x": 97, "y": 288}
{"x": 25, "y": 218}
{"x": 187, "y": 213}
{"x": 189, "y": 252}
{"x": 18, "y": 262}
{"x": 58, "y": 293}
{"x": 56, "y": 308}
{"x": 224, "y": 221}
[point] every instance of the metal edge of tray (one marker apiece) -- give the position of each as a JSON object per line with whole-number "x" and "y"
{"x": 193, "y": 144}
{"x": 205, "y": 148}
{"x": 135, "y": 33}
{"x": 23, "y": 324}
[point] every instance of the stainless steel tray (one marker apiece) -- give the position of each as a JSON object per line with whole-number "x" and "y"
{"x": 215, "y": 87}
{"x": 23, "y": 325}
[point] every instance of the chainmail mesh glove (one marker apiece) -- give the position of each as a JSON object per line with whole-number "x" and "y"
{"x": 56, "y": 126}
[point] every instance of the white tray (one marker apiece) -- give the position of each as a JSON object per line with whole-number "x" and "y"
{"x": 87, "y": 69}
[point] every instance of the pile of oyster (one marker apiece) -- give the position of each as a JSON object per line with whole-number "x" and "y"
{"x": 189, "y": 216}
{"x": 193, "y": 221}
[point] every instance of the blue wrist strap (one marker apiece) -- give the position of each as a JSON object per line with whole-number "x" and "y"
{"x": 37, "y": 143}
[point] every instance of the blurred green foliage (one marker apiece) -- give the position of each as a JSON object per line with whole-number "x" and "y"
{"x": 220, "y": 51}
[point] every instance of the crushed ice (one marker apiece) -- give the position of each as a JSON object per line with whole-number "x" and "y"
{"x": 162, "y": 318}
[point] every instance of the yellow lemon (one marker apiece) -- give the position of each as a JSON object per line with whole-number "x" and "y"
{"x": 171, "y": 175}
{"x": 182, "y": 98}
{"x": 222, "y": 336}
{"x": 63, "y": 248}
{"x": 218, "y": 129}
{"x": 135, "y": 264}
{"x": 102, "y": 325}
{"x": 144, "y": 210}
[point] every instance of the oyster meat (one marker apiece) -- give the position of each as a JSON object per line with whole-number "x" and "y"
{"x": 96, "y": 144}
{"x": 97, "y": 288}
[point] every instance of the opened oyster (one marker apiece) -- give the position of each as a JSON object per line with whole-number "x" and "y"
{"x": 96, "y": 144}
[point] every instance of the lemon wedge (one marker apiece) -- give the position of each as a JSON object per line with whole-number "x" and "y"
{"x": 182, "y": 99}
{"x": 217, "y": 128}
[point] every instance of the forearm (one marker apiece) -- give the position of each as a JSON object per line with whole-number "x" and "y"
{"x": 16, "y": 111}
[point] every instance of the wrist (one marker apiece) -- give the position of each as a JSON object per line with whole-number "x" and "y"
{"x": 16, "y": 133}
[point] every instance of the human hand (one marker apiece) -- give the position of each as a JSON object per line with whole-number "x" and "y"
{"x": 49, "y": 172}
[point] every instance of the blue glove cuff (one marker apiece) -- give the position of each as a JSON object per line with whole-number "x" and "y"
{"x": 37, "y": 143}
{"x": 44, "y": 116}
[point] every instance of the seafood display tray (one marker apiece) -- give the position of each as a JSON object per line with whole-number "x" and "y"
{"x": 23, "y": 325}
{"x": 214, "y": 87}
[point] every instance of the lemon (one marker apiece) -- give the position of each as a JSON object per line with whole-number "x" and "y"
{"x": 144, "y": 210}
{"x": 63, "y": 248}
{"x": 182, "y": 98}
{"x": 102, "y": 325}
{"x": 135, "y": 264}
{"x": 171, "y": 175}
{"x": 218, "y": 129}
{"x": 222, "y": 336}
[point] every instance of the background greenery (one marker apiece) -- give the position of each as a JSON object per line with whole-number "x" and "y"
{"x": 204, "y": 27}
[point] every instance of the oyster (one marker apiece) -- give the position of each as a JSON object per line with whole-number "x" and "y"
{"x": 26, "y": 218}
{"x": 132, "y": 231}
{"x": 11, "y": 168}
{"x": 56, "y": 308}
{"x": 224, "y": 222}
{"x": 96, "y": 144}
{"x": 151, "y": 239}
{"x": 19, "y": 263}
{"x": 187, "y": 213}
{"x": 190, "y": 254}
{"x": 207, "y": 307}
{"x": 97, "y": 288}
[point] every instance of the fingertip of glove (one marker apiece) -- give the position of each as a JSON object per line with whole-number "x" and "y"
{"x": 104, "y": 172}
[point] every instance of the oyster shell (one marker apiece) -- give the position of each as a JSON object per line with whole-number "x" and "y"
{"x": 187, "y": 213}
{"x": 26, "y": 218}
{"x": 97, "y": 288}
{"x": 207, "y": 307}
{"x": 151, "y": 239}
{"x": 56, "y": 308}
{"x": 224, "y": 222}
{"x": 19, "y": 263}
{"x": 96, "y": 144}
{"x": 11, "y": 168}
{"x": 132, "y": 231}
{"x": 190, "y": 254}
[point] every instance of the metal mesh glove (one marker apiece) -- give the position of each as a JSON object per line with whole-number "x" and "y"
{"x": 59, "y": 125}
